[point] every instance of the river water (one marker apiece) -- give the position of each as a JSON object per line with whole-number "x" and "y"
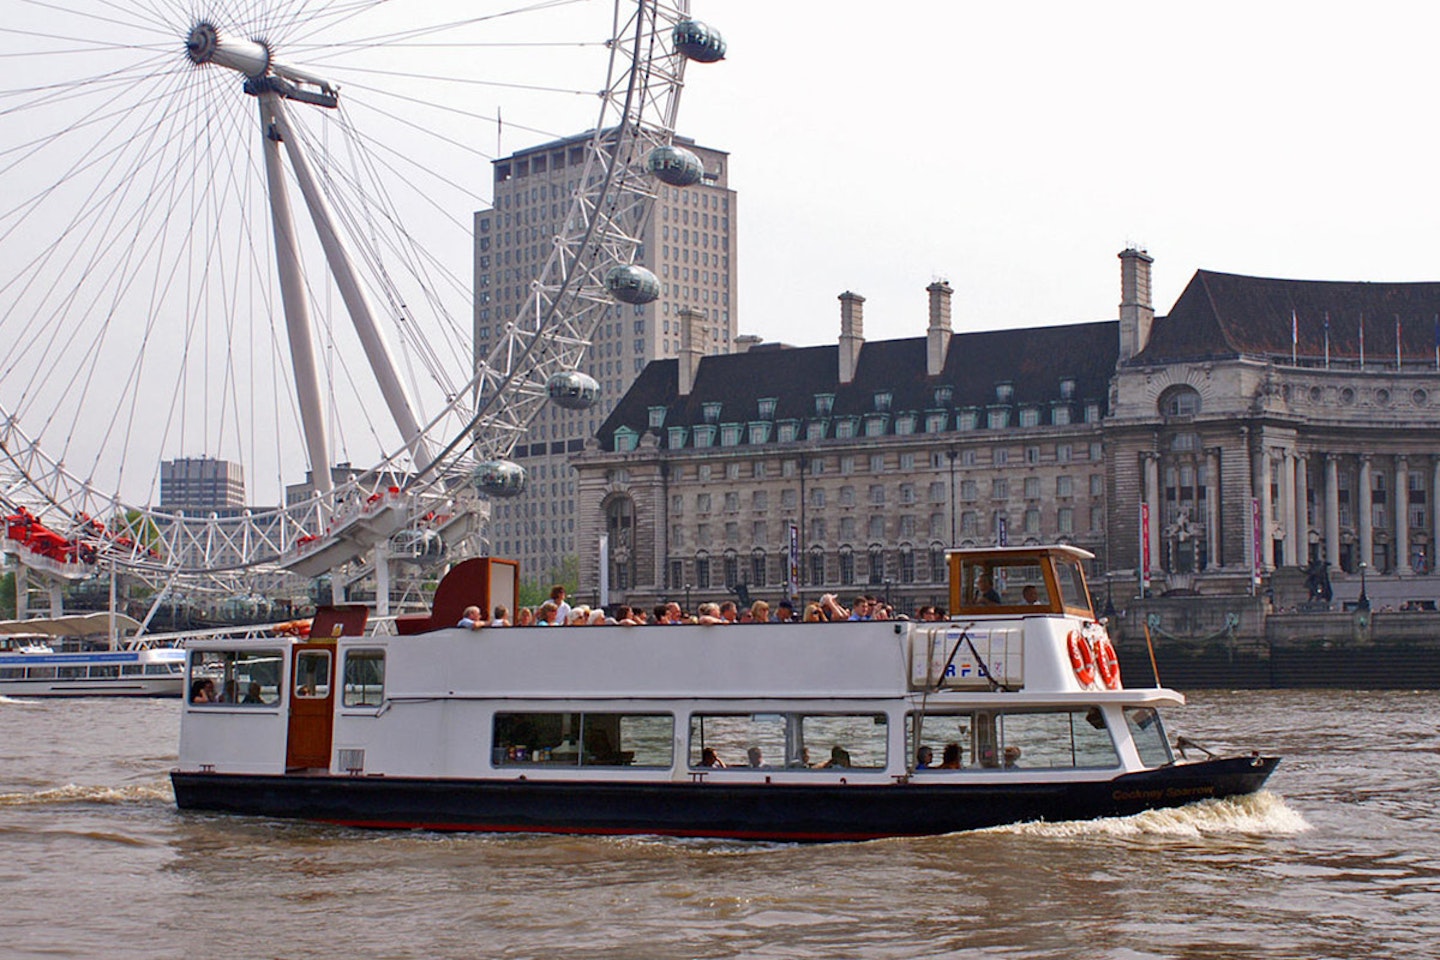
{"x": 1340, "y": 857}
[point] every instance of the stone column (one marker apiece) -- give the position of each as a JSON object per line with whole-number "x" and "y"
{"x": 1332, "y": 510}
{"x": 1152, "y": 500}
{"x": 1267, "y": 523}
{"x": 1363, "y": 522}
{"x": 1302, "y": 509}
{"x": 1287, "y": 508}
{"x": 1434, "y": 557}
{"x": 1212, "y": 506}
{"x": 1402, "y": 515}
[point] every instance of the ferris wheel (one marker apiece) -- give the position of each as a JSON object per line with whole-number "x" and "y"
{"x": 240, "y": 232}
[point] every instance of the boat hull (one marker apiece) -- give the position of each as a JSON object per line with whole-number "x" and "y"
{"x": 158, "y": 686}
{"x": 749, "y": 811}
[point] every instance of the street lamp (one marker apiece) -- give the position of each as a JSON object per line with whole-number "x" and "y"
{"x": 687, "y": 600}
{"x": 1364, "y": 602}
{"x": 951, "y": 454}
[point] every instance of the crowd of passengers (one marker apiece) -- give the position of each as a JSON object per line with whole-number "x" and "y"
{"x": 557, "y": 612}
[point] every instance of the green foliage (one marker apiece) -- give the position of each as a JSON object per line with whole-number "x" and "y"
{"x": 7, "y": 595}
{"x": 567, "y": 574}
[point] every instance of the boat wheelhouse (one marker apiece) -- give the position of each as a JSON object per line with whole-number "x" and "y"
{"x": 761, "y": 731}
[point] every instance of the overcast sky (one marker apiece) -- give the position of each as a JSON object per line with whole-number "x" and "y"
{"x": 1015, "y": 148}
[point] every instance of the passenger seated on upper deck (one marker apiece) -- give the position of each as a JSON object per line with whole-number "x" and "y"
{"x": 950, "y": 759}
{"x": 472, "y": 619}
{"x": 709, "y": 758}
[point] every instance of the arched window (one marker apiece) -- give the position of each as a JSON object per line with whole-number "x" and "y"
{"x": 847, "y": 565}
{"x": 732, "y": 568}
{"x": 1181, "y": 400}
{"x": 620, "y": 525}
{"x": 757, "y": 567}
{"x": 876, "y": 563}
{"x": 817, "y": 566}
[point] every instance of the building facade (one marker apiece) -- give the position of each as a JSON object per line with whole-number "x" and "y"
{"x": 1254, "y": 433}
{"x": 201, "y": 485}
{"x": 689, "y": 243}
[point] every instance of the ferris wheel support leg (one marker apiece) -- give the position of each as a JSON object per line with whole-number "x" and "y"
{"x": 372, "y": 338}
{"x": 297, "y": 309}
{"x": 57, "y": 598}
{"x": 382, "y": 578}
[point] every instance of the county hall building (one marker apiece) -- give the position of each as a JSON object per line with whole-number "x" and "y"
{"x": 1263, "y": 423}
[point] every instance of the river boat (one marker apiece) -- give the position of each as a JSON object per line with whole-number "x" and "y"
{"x": 1012, "y": 710}
{"x": 74, "y": 656}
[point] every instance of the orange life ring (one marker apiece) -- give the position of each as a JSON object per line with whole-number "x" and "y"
{"x": 1082, "y": 660}
{"x": 1107, "y": 664}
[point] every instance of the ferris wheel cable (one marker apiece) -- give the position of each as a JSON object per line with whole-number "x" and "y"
{"x": 457, "y": 24}
{"x": 474, "y": 82}
{"x": 450, "y": 109}
{"x": 73, "y": 12}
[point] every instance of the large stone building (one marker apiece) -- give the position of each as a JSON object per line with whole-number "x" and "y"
{"x": 688, "y": 242}
{"x": 1310, "y": 407}
{"x": 201, "y": 485}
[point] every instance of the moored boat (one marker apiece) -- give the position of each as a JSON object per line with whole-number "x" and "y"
{"x": 1012, "y": 710}
{"x": 72, "y": 656}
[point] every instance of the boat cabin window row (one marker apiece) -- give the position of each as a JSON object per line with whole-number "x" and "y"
{"x": 592, "y": 739}
{"x": 1055, "y": 739}
{"x": 796, "y": 741}
{"x": 94, "y": 671}
{"x": 247, "y": 678}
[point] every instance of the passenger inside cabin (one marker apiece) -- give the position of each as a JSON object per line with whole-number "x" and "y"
{"x": 709, "y": 758}
{"x": 839, "y": 757}
{"x": 950, "y": 759}
{"x": 754, "y": 757}
{"x": 985, "y": 589}
{"x": 202, "y": 691}
{"x": 471, "y": 619}
{"x": 923, "y": 758}
{"x": 1012, "y": 756}
{"x": 252, "y": 694}
{"x": 1030, "y": 594}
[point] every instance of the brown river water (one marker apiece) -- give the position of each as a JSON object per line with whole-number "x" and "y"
{"x": 1339, "y": 857}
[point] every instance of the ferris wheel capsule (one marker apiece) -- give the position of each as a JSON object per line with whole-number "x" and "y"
{"x": 675, "y": 166}
{"x": 572, "y": 389}
{"x": 632, "y": 283}
{"x": 699, "y": 41}
{"x": 499, "y": 478}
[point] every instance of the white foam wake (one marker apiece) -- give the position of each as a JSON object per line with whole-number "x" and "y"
{"x": 1257, "y": 814}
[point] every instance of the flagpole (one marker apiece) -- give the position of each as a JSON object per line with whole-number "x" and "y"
{"x": 1397, "y": 341}
{"x": 1362, "y": 341}
{"x": 1327, "y": 341}
{"x": 1294, "y": 337}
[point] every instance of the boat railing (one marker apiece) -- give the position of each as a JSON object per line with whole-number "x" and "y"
{"x": 374, "y": 626}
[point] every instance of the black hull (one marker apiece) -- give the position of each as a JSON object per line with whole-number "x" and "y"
{"x": 748, "y": 811}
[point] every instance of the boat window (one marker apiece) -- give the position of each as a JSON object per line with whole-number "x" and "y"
{"x": 993, "y": 582}
{"x": 312, "y": 674}
{"x": 1149, "y": 735}
{"x": 1071, "y": 581}
{"x": 794, "y": 740}
{"x": 364, "y": 678}
{"x": 1016, "y": 739}
{"x": 240, "y": 677}
{"x": 583, "y": 739}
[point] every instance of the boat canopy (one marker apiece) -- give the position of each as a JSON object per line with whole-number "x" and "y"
{"x": 77, "y": 625}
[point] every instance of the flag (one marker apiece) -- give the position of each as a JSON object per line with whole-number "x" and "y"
{"x": 1294, "y": 335}
{"x": 1397, "y": 341}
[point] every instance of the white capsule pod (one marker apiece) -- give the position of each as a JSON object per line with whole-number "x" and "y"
{"x": 632, "y": 283}
{"x": 572, "y": 389}
{"x": 675, "y": 166}
{"x": 499, "y": 478}
{"x": 699, "y": 41}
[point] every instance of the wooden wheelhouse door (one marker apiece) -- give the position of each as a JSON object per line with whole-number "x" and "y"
{"x": 312, "y": 706}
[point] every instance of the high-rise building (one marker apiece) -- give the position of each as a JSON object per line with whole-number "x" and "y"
{"x": 201, "y": 484}
{"x": 688, "y": 242}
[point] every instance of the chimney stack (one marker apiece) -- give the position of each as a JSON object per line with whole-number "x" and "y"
{"x": 1136, "y": 312}
{"x": 692, "y": 339}
{"x": 937, "y": 336}
{"x": 852, "y": 333}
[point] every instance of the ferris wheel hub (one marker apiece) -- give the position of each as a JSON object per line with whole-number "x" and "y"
{"x": 206, "y": 44}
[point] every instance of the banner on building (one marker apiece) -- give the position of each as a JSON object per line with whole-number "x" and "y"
{"x": 793, "y": 581}
{"x": 1256, "y": 556}
{"x": 1001, "y": 536}
{"x": 604, "y": 594}
{"x": 1144, "y": 548}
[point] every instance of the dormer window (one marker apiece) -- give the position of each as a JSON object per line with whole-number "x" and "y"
{"x": 625, "y": 439}
{"x": 944, "y": 394}
{"x": 767, "y": 408}
{"x": 657, "y": 417}
{"x": 1067, "y": 388}
{"x": 882, "y": 401}
{"x": 824, "y": 403}
{"x": 1004, "y": 392}
{"x": 711, "y": 412}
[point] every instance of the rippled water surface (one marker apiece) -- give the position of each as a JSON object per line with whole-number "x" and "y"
{"x": 1339, "y": 858}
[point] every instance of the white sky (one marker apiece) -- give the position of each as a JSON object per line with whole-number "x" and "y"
{"x": 1015, "y": 148}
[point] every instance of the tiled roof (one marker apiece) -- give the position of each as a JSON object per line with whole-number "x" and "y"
{"x": 1033, "y": 361}
{"x": 1226, "y": 315}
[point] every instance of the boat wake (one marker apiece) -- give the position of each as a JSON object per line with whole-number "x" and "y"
{"x": 1258, "y": 814}
{"x": 72, "y": 793}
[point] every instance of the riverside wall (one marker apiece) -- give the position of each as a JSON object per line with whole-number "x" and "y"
{"x": 1241, "y": 643}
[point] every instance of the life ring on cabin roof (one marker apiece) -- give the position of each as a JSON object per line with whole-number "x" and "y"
{"x": 1107, "y": 664}
{"x": 1082, "y": 660}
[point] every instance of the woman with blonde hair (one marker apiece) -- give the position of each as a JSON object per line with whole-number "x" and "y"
{"x": 760, "y": 612}
{"x": 813, "y": 613}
